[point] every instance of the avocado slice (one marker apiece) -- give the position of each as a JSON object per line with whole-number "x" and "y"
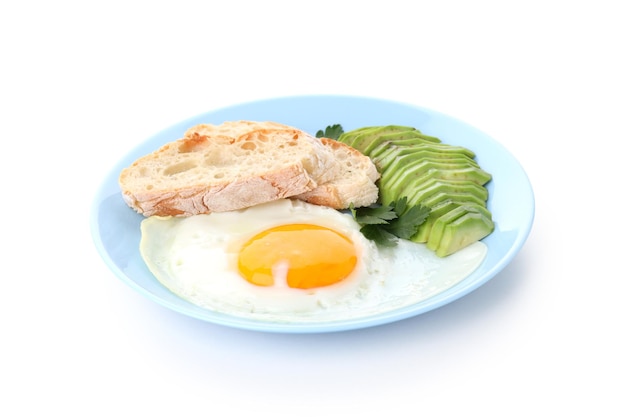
{"x": 406, "y": 186}
{"x": 461, "y": 197}
{"x": 446, "y": 169}
{"x": 436, "y": 231}
{"x": 450, "y": 186}
{"x": 382, "y": 145}
{"x": 428, "y": 185}
{"x": 406, "y": 163}
{"x": 438, "y": 210}
{"x": 390, "y": 153}
{"x": 461, "y": 232}
{"x": 403, "y": 138}
{"x": 360, "y": 140}
{"x": 348, "y": 137}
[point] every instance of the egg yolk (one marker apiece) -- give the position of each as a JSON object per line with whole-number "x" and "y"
{"x": 303, "y": 255}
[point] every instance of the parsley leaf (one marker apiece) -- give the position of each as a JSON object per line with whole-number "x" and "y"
{"x": 379, "y": 235}
{"x": 374, "y": 214}
{"x": 331, "y": 132}
{"x": 409, "y": 221}
{"x": 385, "y": 224}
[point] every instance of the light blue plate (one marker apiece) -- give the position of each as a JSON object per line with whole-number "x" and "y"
{"x": 115, "y": 227}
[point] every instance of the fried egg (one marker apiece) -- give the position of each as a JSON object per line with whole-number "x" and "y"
{"x": 291, "y": 261}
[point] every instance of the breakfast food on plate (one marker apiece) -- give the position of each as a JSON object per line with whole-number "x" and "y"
{"x": 445, "y": 178}
{"x": 263, "y": 220}
{"x": 291, "y": 261}
{"x": 216, "y": 168}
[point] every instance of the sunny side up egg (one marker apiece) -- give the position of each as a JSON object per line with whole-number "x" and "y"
{"x": 290, "y": 261}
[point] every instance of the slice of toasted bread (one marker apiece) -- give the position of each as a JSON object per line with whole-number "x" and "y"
{"x": 227, "y": 167}
{"x": 356, "y": 183}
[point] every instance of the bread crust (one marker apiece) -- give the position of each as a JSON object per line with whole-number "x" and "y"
{"x": 226, "y": 196}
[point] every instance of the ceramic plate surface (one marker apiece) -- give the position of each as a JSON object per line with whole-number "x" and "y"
{"x": 116, "y": 233}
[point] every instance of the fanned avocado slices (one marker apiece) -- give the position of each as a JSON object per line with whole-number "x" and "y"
{"x": 445, "y": 178}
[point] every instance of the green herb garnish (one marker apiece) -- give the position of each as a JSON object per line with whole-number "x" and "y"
{"x": 385, "y": 224}
{"x": 331, "y": 132}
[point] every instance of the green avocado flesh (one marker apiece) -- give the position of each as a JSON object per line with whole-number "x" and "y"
{"x": 463, "y": 197}
{"x": 443, "y": 177}
{"x": 402, "y": 138}
{"x": 451, "y": 169}
{"x": 457, "y": 229}
{"x": 360, "y": 138}
{"x": 442, "y": 208}
{"x": 383, "y": 156}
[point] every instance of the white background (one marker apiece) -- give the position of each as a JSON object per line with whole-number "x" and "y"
{"x": 82, "y": 83}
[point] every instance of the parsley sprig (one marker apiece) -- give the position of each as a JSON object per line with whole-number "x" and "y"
{"x": 331, "y": 132}
{"x": 385, "y": 224}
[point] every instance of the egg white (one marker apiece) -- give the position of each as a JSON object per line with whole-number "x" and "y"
{"x": 196, "y": 258}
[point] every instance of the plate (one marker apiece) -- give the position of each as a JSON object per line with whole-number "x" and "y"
{"x": 116, "y": 233}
